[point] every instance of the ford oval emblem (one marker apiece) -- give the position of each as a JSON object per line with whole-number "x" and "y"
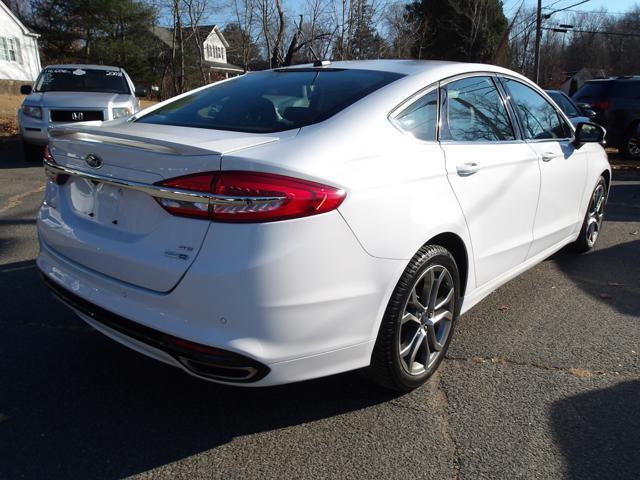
{"x": 93, "y": 161}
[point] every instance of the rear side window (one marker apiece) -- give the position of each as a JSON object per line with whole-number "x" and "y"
{"x": 627, "y": 89}
{"x": 593, "y": 90}
{"x": 271, "y": 101}
{"x": 539, "y": 118}
{"x": 420, "y": 117}
{"x": 475, "y": 112}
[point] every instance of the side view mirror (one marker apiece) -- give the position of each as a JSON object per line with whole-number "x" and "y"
{"x": 588, "y": 133}
{"x": 587, "y": 110}
{"x": 25, "y": 89}
{"x": 141, "y": 92}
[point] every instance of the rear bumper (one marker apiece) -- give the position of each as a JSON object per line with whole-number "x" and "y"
{"x": 200, "y": 360}
{"x": 293, "y": 300}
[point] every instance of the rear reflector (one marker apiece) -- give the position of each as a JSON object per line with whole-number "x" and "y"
{"x": 251, "y": 197}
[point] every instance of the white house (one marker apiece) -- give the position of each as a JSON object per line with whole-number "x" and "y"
{"x": 19, "y": 56}
{"x": 215, "y": 46}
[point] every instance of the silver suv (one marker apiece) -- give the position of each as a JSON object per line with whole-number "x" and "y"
{"x": 70, "y": 94}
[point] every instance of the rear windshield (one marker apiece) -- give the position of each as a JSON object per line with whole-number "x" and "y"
{"x": 593, "y": 90}
{"x": 271, "y": 101}
{"x": 627, "y": 89}
{"x": 81, "y": 80}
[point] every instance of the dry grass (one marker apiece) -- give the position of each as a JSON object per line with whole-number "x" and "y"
{"x": 9, "y": 105}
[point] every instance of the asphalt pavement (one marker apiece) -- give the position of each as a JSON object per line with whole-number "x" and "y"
{"x": 542, "y": 381}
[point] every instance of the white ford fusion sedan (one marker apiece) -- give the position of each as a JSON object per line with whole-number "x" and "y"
{"x": 300, "y": 222}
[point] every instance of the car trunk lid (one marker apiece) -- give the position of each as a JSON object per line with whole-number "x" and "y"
{"x": 104, "y": 220}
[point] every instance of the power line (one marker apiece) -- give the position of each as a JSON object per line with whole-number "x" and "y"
{"x": 619, "y": 34}
{"x": 592, "y": 12}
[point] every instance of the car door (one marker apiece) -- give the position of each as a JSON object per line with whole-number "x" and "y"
{"x": 493, "y": 172}
{"x": 563, "y": 168}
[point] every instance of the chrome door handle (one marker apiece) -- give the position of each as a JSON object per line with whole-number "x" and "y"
{"x": 548, "y": 156}
{"x": 466, "y": 169}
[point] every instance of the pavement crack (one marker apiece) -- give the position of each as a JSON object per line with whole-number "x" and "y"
{"x": 576, "y": 372}
{"x": 16, "y": 200}
{"x": 442, "y": 403}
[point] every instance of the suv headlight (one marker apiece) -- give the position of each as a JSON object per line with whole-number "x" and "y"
{"x": 33, "y": 112}
{"x": 121, "y": 112}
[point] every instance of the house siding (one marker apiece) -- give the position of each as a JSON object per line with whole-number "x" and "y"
{"x": 19, "y": 57}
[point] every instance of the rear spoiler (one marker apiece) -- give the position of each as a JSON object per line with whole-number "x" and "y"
{"x": 94, "y": 133}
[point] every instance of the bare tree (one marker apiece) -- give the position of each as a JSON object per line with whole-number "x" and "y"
{"x": 195, "y": 12}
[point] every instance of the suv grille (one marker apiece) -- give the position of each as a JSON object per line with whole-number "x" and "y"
{"x": 76, "y": 115}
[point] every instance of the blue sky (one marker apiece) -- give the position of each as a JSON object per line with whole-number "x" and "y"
{"x": 609, "y": 5}
{"x": 292, "y": 7}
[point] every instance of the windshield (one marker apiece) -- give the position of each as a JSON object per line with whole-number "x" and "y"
{"x": 81, "y": 80}
{"x": 271, "y": 101}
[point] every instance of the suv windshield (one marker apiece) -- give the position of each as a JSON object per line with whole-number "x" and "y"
{"x": 271, "y": 101}
{"x": 81, "y": 80}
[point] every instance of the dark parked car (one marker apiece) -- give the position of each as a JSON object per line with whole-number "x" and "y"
{"x": 616, "y": 102}
{"x": 577, "y": 114}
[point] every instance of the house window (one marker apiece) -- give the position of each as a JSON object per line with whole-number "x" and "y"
{"x": 9, "y": 49}
{"x": 209, "y": 52}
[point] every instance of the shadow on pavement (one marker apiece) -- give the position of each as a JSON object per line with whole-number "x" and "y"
{"x": 599, "y": 432}
{"x": 607, "y": 274}
{"x": 75, "y": 404}
{"x": 11, "y": 155}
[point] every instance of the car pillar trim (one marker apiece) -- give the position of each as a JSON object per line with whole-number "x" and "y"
{"x": 158, "y": 191}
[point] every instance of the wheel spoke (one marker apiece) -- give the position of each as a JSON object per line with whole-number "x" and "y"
{"x": 435, "y": 289}
{"x": 427, "y": 287}
{"x": 415, "y": 301}
{"x": 445, "y": 301}
{"x": 409, "y": 317}
{"x": 416, "y": 348}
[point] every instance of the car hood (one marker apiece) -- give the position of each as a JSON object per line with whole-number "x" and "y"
{"x": 75, "y": 99}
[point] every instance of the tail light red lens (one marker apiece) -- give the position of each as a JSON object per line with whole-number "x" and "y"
{"x": 252, "y": 197}
{"x": 601, "y": 105}
{"x": 57, "y": 178}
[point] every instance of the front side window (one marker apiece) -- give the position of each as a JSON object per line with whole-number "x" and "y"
{"x": 540, "y": 119}
{"x": 475, "y": 112}
{"x": 81, "y": 80}
{"x": 419, "y": 118}
{"x": 271, "y": 101}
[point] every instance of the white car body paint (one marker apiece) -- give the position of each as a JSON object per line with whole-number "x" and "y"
{"x": 306, "y": 296}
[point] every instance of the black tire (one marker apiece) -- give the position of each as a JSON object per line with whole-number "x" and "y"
{"x": 31, "y": 152}
{"x": 586, "y": 240}
{"x": 387, "y": 367}
{"x": 631, "y": 145}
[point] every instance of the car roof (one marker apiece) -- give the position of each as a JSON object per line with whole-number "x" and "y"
{"x": 88, "y": 67}
{"x": 407, "y": 67}
{"x": 428, "y": 71}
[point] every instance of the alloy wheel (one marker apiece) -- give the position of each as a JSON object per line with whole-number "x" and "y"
{"x": 633, "y": 146}
{"x": 595, "y": 214}
{"x": 426, "y": 320}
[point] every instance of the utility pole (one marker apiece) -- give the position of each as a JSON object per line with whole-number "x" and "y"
{"x": 536, "y": 63}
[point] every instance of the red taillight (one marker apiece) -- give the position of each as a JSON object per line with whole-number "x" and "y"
{"x": 251, "y": 197}
{"x": 57, "y": 178}
{"x": 46, "y": 155}
{"x": 601, "y": 105}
